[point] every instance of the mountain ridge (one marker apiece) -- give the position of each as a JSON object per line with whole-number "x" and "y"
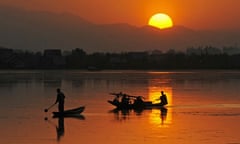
{"x": 35, "y": 31}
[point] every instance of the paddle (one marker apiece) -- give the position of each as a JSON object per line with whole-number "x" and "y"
{"x": 120, "y": 93}
{"x": 135, "y": 96}
{"x": 46, "y": 110}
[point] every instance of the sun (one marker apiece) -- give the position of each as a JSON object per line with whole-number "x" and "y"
{"x": 161, "y": 21}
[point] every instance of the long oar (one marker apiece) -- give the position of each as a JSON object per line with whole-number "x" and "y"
{"x": 46, "y": 110}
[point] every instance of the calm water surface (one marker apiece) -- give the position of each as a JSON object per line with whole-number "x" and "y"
{"x": 204, "y": 107}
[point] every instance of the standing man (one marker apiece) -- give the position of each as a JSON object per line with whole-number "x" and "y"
{"x": 60, "y": 100}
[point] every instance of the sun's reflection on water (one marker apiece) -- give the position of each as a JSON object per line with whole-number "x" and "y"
{"x": 161, "y": 117}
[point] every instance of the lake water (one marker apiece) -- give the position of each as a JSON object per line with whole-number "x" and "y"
{"x": 204, "y": 107}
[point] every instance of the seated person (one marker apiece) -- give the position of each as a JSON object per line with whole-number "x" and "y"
{"x": 163, "y": 99}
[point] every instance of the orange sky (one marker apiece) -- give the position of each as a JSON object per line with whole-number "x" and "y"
{"x": 196, "y": 14}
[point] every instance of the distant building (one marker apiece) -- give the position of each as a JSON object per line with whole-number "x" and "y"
{"x": 52, "y": 53}
{"x": 117, "y": 59}
{"x": 231, "y": 50}
{"x": 212, "y": 51}
{"x": 156, "y": 56}
{"x": 138, "y": 55}
{"x": 204, "y": 51}
{"x": 194, "y": 51}
{"x": 8, "y": 59}
{"x": 52, "y": 58}
{"x": 156, "y": 52}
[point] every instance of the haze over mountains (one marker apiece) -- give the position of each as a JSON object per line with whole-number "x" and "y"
{"x": 35, "y": 31}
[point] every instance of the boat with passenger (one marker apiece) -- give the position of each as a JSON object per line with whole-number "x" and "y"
{"x": 135, "y": 102}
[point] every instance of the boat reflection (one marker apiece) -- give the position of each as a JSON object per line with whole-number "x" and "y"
{"x": 125, "y": 114}
{"x": 60, "y": 127}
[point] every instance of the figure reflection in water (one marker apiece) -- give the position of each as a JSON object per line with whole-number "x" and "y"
{"x": 60, "y": 128}
{"x": 163, "y": 114}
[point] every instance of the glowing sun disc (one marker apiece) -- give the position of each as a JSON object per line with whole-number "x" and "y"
{"x": 160, "y": 21}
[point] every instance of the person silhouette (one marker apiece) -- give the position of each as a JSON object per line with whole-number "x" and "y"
{"x": 60, "y": 100}
{"x": 163, "y": 99}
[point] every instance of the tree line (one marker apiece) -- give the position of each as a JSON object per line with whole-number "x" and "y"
{"x": 193, "y": 58}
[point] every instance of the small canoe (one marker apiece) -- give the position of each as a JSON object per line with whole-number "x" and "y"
{"x": 69, "y": 112}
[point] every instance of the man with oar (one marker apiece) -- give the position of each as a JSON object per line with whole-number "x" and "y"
{"x": 59, "y": 100}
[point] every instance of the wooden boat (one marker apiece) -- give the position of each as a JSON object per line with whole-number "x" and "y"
{"x": 70, "y": 112}
{"x": 142, "y": 105}
{"x": 75, "y": 116}
{"x": 132, "y": 102}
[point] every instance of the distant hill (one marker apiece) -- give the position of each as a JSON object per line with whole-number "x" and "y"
{"x": 35, "y": 31}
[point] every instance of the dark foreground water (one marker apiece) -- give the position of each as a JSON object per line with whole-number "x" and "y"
{"x": 204, "y": 107}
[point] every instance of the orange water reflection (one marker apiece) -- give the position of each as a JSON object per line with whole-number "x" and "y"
{"x": 60, "y": 128}
{"x": 160, "y": 117}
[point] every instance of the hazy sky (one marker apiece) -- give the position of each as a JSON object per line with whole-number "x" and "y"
{"x": 196, "y": 14}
